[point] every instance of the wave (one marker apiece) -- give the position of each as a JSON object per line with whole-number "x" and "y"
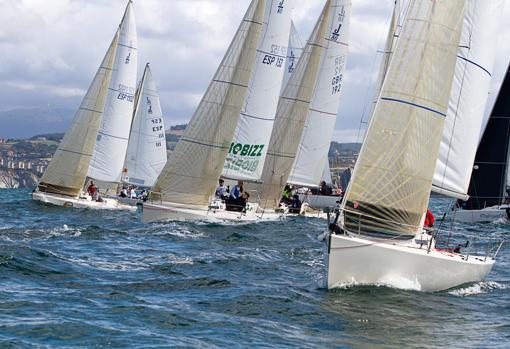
{"x": 478, "y": 288}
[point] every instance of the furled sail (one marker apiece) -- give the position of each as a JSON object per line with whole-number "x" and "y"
{"x": 390, "y": 187}
{"x": 191, "y": 174}
{"x": 248, "y": 149}
{"x": 146, "y": 153}
{"x": 294, "y": 51}
{"x": 312, "y": 153}
{"x": 68, "y": 168}
{"x": 489, "y": 178}
{"x": 291, "y": 114}
{"x": 112, "y": 137}
{"x": 463, "y": 123}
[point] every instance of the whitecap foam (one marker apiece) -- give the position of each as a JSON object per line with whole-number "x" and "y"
{"x": 478, "y": 288}
{"x": 389, "y": 281}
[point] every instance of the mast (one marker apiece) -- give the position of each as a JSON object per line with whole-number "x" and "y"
{"x": 248, "y": 149}
{"x": 291, "y": 114}
{"x": 146, "y": 154}
{"x": 468, "y": 99}
{"x": 489, "y": 178}
{"x": 312, "y": 153}
{"x": 191, "y": 174}
{"x": 66, "y": 172}
{"x": 389, "y": 190}
{"x": 113, "y": 134}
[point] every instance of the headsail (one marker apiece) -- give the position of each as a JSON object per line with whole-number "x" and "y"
{"x": 389, "y": 190}
{"x": 489, "y": 179}
{"x": 312, "y": 153}
{"x": 68, "y": 168}
{"x": 146, "y": 153}
{"x": 291, "y": 114}
{"x": 248, "y": 149}
{"x": 294, "y": 51}
{"x": 468, "y": 98}
{"x": 191, "y": 174}
{"x": 112, "y": 138}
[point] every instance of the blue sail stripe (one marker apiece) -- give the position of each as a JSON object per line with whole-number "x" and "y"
{"x": 413, "y": 104}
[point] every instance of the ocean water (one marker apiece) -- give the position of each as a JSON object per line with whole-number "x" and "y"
{"x": 79, "y": 278}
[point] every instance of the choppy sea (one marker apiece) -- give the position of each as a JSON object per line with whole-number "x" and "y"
{"x": 73, "y": 278}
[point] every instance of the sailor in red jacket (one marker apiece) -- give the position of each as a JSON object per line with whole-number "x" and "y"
{"x": 429, "y": 219}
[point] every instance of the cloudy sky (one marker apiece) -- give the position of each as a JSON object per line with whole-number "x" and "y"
{"x": 50, "y": 49}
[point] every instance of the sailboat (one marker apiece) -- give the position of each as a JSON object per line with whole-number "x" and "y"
{"x": 308, "y": 108}
{"x": 379, "y": 235}
{"x": 488, "y": 185}
{"x": 187, "y": 183}
{"x": 146, "y": 153}
{"x": 95, "y": 144}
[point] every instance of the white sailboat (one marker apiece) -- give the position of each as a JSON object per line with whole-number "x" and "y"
{"x": 146, "y": 153}
{"x": 380, "y": 238}
{"x": 98, "y": 134}
{"x": 188, "y": 181}
{"x": 312, "y": 155}
{"x": 311, "y": 93}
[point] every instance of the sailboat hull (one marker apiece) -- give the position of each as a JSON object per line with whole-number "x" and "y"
{"x": 488, "y": 214}
{"x": 80, "y": 202}
{"x": 319, "y": 201}
{"x": 171, "y": 211}
{"x": 357, "y": 261}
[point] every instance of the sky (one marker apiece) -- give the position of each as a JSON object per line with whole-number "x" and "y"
{"x": 50, "y": 50}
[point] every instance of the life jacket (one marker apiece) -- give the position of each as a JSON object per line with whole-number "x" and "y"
{"x": 429, "y": 219}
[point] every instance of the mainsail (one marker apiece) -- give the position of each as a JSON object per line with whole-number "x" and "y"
{"x": 468, "y": 99}
{"x": 191, "y": 174}
{"x": 291, "y": 114}
{"x": 112, "y": 137}
{"x": 389, "y": 191}
{"x": 68, "y": 168}
{"x": 294, "y": 51}
{"x": 146, "y": 153}
{"x": 489, "y": 178}
{"x": 248, "y": 149}
{"x": 312, "y": 153}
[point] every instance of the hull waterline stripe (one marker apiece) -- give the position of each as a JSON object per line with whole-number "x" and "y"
{"x": 413, "y": 104}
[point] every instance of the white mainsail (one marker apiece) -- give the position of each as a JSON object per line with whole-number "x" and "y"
{"x": 294, "y": 51}
{"x": 248, "y": 149}
{"x": 312, "y": 153}
{"x": 390, "y": 187}
{"x": 191, "y": 174}
{"x": 468, "y": 99}
{"x": 146, "y": 152}
{"x": 112, "y": 137}
{"x": 68, "y": 168}
{"x": 292, "y": 112}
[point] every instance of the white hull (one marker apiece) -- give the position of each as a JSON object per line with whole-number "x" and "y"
{"x": 172, "y": 211}
{"x": 319, "y": 201}
{"x": 488, "y": 214}
{"x": 80, "y": 202}
{"x": 358, "y": 261}
{"x": 128, "y": 201}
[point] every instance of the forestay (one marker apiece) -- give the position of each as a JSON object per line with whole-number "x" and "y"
{"x": 248, "y": 149}
{"x": 68, "y": 168}
{"x": 191, "y": 174}
{"x": 112, "y": 137}
{"x": 468, "y": 98}
{"x": 294, "y": 51}
{"x": 390, "y": 187}
{"x": 312, "y": 153}
{"x": 146, "y": 153}
{"x": 291, "y": 115}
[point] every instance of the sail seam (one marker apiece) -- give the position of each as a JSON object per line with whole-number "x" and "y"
{"x": 475, "y": 64}
{"x": 270, "y": 53}
{"x": 413, "y": 104}
{"x": 295, "y": 99}
{"x": 74, "y": 152}
{"x": 131, "y": 47}
{"x": 109, "y": 135}
{"x": 257, "y": 117}
{"x": 204, "y": 144}
{"x": 230, "y": 83}
{"x": 92, "y": 110}
{"x": 322, "y": 112}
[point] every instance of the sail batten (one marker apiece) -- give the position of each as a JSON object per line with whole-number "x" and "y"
{"x": 390, "y": 186}
{"x": 192, "y": 171}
